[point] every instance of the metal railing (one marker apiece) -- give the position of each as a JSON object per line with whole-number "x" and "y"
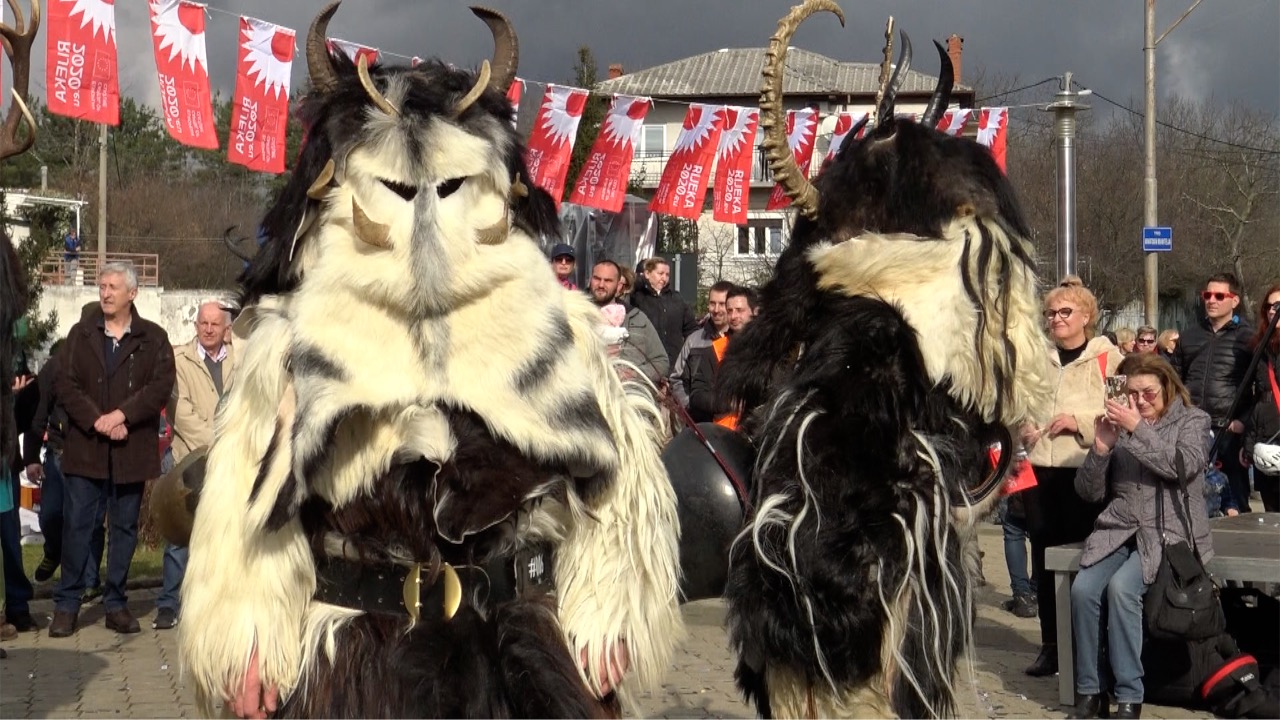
{"x": 56, "y": 270}
{"x": 646, "y": 168}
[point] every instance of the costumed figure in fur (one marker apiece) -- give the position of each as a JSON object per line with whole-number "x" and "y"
{"x": 899, "y": 337}
{"x": 424, "y": 430}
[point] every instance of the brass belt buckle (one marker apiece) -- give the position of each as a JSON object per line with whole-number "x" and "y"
{"x": 413, "y": 592}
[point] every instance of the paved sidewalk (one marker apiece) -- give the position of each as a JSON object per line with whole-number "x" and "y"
{"x": 99, "y": 674}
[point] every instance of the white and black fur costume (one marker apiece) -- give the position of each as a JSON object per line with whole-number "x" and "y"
{"x": 416, "y": 387}
{"x": 899, "y": 337}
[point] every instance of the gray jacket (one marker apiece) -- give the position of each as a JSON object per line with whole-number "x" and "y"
{"x": 1139, "y": 463}
{"x": 643, "y": 348}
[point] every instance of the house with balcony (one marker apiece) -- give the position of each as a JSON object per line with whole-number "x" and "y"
{"x": 732, "y": 77}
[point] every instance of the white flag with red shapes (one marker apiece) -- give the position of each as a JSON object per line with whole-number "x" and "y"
{"x": 554, "y": 133}
{"x": 355, "y": 50}
{"x": 802, "y": 133}
{"x": 683, "y": 187}
{"x": 177, "y": 34}
{"x": 993, "y": 124}
{"x": 80, "y": 67}
{"x": 260, "y": 110}
{"x": 603, "y": 181}
{"x": 515, "y": 93}
{"x": 953, "y": 121}
{"x": 735, "y": 154}
{"x": 845, "y": 123}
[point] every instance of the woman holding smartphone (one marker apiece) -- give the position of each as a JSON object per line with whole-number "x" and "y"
{"x": 1080, "y": 360}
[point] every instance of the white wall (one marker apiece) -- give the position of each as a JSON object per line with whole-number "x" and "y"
{"x": 173, "y": 310}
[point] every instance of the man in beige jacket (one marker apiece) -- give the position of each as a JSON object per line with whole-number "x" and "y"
{"x": 204, "y": 370}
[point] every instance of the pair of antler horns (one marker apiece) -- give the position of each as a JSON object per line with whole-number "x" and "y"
{"x": 497, "y": 74}
{"x": 17, "y": 40}
{"x": 773, "y": 119}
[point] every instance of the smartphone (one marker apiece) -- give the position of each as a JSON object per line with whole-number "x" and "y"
{"x": 1118, "y": 389}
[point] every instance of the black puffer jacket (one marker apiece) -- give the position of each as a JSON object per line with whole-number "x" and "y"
{"x": 1212, "y": 366}
{"x": 670, "y": 316}
{"x": 1264, "y": 419}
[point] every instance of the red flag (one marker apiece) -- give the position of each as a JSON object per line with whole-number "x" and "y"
{"x": 683, "y": 187}
{"x": 953, "y": 121}
{"x": 177, "y": 33}
{"x": 734, "y": 155}
{"x": 514, "y": 94}
{"x": 992, "y": 129}
{"x": 603, "y": 182}
{"x": 802, "y": 132}
{"x": 553, "y": 135}
{"x": 260, "y": 111}
{"x": 845, "y": 123}
{"x": 355, "y": 50}
{"x": 80, "y": 68}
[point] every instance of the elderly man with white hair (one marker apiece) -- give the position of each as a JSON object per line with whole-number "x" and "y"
{"x": 203, "y": 368}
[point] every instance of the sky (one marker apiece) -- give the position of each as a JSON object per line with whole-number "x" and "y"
{"x": 1225, "y": 51}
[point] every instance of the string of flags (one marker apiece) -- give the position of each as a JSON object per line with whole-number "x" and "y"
{"x": 82, "y": 83}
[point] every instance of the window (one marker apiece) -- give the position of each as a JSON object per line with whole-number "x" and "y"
{"x": 761, "y": 236}
{"x": 653, "y": 141}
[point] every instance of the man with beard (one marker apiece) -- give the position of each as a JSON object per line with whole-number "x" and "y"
{"x": 640, "y": 345}
{"x": 713, "y": 327}
{"x": 704, "y": 362}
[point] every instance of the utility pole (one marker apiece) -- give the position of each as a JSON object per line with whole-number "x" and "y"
{"x": 102, "y": 198}
{"x": 1151, "y": 293}
{"x": 1064, "y": 130}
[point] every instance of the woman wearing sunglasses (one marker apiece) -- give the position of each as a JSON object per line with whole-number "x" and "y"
{"x": 1134, "y": 456}
{"x": 1055, "y": 514}
{"x": 1262, "y": 431}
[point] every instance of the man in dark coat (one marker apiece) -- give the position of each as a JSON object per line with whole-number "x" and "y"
{"x": 116, "y": 376}
{"x": 671, "y": 317}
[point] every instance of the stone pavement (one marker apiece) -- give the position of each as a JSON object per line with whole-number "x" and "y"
{"x": 99, "y": 674}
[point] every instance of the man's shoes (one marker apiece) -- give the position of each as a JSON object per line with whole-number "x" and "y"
{"x": 1091, "y": 706}
{"x": 166, "y": 619}
{"x": 7, "y": 631}
{"x": 122, "y": 621}
{"x": 1047, "y": 663}
{"x": 21, "y": 620}
{"x": 44, "y": 571}
{"x": 91, "y": 596}
{"x": 1007, "y": 605}
{"x": 64, "y": 624}
{"x": 1025, "y": 606}
{"x": 1129, "y": 710}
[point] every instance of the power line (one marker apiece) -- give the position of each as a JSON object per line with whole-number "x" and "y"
{"x": 1016, "y": 90}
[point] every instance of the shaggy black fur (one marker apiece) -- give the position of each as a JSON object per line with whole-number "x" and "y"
{"x": 13, "y": 305}
{"x": 335, "y": 123}
{"x": 870, "y": 390}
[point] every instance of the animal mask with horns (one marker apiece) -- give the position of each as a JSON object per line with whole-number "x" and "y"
{"x": 410, "y": 182}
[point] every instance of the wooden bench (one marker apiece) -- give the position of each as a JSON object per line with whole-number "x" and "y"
{"x": 1246, "y": 548}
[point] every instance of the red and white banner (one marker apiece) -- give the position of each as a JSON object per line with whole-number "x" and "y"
{"x": 802, "y": 133}
{"x": 953, "y": 121}
{"x": 734, "y": 157}
{"x": 177, "y": 34}
{"x": 683, "y": 187}
{"x": 992, "y": 131}
{"x": 80, "y": 61}
{"x": 355, "y": 50}
{"x": 603, "y": 182}
{"x": 845, "y": 122}
{"x": 260, "y": 109}
{"x": 515, "y": 93}
{"x": 554, "y": 133}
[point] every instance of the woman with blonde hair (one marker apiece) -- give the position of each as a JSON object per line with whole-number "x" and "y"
{"x": 1126, "y": 338}
{"x": 1167, "y": 342}
{"x": 1081, "y": 360}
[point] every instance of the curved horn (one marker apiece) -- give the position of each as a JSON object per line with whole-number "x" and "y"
{"x": 374, "y": 233}
{"x": 25, "y": 112}
{"x": 231, "y": 244}
{"x": 319, "y": 65}
{"x": 884, "y": 112}
{"x": 506, "y": 48}
{"x": 482, "y": 84}
{"x": 772, "y": 119}
{"x": 362, "y": 70}
{"x": 320, "y": 186}
{"x": 942, "y": 91}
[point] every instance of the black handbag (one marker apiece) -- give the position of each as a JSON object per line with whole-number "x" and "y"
{"x": 1182, "y": 603}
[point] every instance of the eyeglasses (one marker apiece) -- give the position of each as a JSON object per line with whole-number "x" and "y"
{"x": 1146, "y": 341}
{"x": 1149, "y": 395}
{"x": 1063, "y": 312}
{"x": 1216, "y": 296}
{"x": 562, "y": 259}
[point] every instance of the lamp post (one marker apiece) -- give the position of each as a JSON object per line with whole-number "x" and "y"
{"x": 1064, "y": 111}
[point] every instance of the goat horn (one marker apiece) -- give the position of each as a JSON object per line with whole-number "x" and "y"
{"x": 16, "y": 40}
{"x": 319, "y": 64}
{"x": 506, "y": 48}
{"x": 375, "y": 234}
{"x": 773, "y": 121}
{"x": 482, "y": 84}
{"x": 941, "y": 92}
{"x": 25, "y": 145}
{"x": 884, "y": 110}
{"x": 320, "y": 187}
{"x": 362, "y": 69}
{"x": 496, "y": 233}
{"x": 231, "y": 245}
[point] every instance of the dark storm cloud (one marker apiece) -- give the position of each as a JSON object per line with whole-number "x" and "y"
{"x": 1227, "y": 50}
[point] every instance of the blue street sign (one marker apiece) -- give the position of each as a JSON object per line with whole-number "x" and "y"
{"x": 1157, "y": 239}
